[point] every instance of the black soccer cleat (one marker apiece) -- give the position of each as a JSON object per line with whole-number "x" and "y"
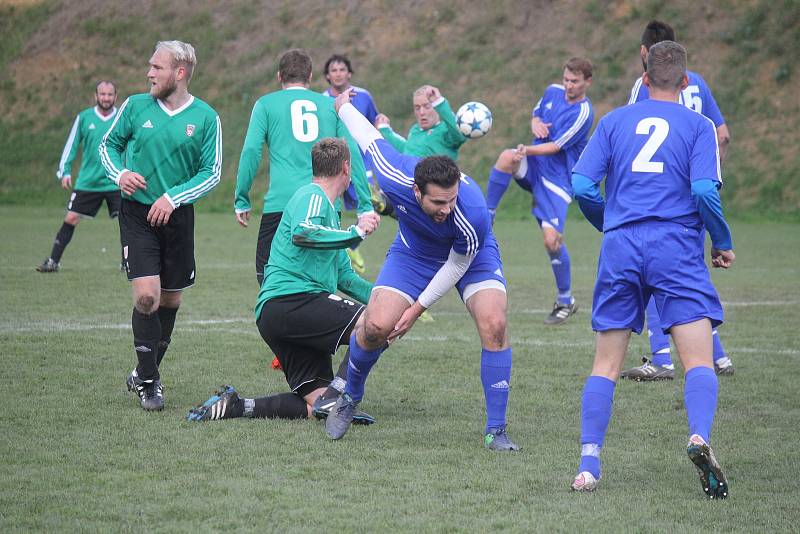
{"x": 712, "y": 479}
{"x": 341, "y": 416}
{"x": 497, "y": 440}
{"x": 219, "y": 406}
{"x": 322, "y": 408}
{"x": 48, "y": 266}
{"x": 726, "y": 369}
{"x": 560, "y": 313}
{"x": 150, "y": 392}
{"x": 648, "y": 372}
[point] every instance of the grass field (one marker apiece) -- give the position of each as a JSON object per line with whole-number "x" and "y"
{"x": 80, "y": 455}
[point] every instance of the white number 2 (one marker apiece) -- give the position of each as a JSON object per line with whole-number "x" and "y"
{"x": 657, "y": 129}
{"x": 305, "y": 125}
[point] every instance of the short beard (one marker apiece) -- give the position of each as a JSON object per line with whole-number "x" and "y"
{"x": 105, "y": 108}
{"x": 165, "y": 91}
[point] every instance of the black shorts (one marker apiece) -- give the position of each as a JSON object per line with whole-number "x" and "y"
{"x": 87, "y": 203}
{"x": 304, "y": 330}
{"x": 266, "y": 232}
{"x": 165, "y": 251}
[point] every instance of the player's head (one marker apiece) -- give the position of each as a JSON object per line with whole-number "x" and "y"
{"x": 666, "y": 66}
{"x": 436, "y": 180}
{"x": 427, "y": 117}
{"x": 338, "y": 71}
{"x": 295, "y": 67}
{"x": 655, "y": 32}
{"x": 577, "y": 78}
{"x": 330, "y": 158}
{"x": 171, "y": 66}
{"x": 105, "y": 94}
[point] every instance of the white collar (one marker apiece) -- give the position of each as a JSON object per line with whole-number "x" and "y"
{"x": 172, "y": 113}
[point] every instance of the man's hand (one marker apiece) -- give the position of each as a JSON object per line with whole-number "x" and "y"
{"x": 130, "y": 181}
{"x": 432, "y": 93}
{"x": 406, "y": 321}
{"x": 160, "y": 212}
{"x": 368, "y": 222}
{"x": 722, "y": 258}
{"x": 243, "y": 218}
{"x": 66, "y": 182}
{"x": 380, "y": 120}
{"x": 540, "y": 130}
{"x": 518, "y": 156}
{"x": 343, "y": 98}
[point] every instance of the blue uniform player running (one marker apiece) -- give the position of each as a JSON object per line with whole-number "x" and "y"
{"x": 661, "y": 165}
{"x": 560, "y": 124}
{"x": 444, "y": 240}
{"x": 696, "y": 96}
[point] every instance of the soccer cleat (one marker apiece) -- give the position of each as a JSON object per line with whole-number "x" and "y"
{"x": 341, "y": 416}
{"x": 150, "y": 392}
{"x": 726, "y": 369}
{"x": 426, "y": 317}
{"x": 322, "y": 408}
{"x": 48, "y": 266}
{"x": 380, "y": 202}
{"x": 711, "y": 477}
{"x": 648, "y": 372}
{"x": 219, "y": 406}
{"x": 357, "y": 260}
{"x": 497, "y": 440}
{"x": 585, "y": 482}
{"x": 560, "y": 313}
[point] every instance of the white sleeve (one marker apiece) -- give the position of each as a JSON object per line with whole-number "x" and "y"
{"x": 447, "y": 277}
{"x": 360, "y": 128}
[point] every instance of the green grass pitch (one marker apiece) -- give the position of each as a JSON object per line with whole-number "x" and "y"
{"x": 78, "y": 454}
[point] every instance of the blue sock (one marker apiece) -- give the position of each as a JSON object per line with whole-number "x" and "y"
{"x": 496, "y": 187}
{"x": 560, "y": 264}
{"x": 598, "y": 397}
{"x": 361, "y": 362}
{"x": 719, "y": 350}
{"x": 495, "y": 377}
{"x": 659, "y": 341}
{"x": 700, "y": 398}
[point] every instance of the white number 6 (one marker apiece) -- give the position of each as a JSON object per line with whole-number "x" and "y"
{"x": 305, "y": 125}
{"x": 660, "y": 129}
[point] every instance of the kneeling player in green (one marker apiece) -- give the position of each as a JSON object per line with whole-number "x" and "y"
{"x": 297, "y": 312}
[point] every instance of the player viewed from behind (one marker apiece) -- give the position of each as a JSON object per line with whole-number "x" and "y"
{"x": 444, "y": 240}
{"x": 661, "y": 165}
{"x": 560, "y": 123}
{"x": 696, "y": 96}
{"x": 164, "y": 151}
{"x": 298, "y": 313}
{"x": 290, "y": 121}
{"x": 92, "y": 187}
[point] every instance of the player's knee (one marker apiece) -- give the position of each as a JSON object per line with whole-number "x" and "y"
{"x": 375, "y": 333}
{"x": 505, "y": 162}
{"x": 72, "y": 218}
{"x": 552, "y": 242}
{"x": 146, "y": 304}
{"x": 494, "y": 331}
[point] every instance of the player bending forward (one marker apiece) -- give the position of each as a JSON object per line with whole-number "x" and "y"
{"x": 661, "y": 165}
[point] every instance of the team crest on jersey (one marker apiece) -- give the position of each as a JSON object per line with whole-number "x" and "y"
{"x": 402, "y": 208}
{"x": 147, "y": 124}
{"x": 190, "y": 130}
{"x": 549, "y": 105}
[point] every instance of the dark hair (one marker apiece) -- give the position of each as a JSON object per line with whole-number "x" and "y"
{"x": 666, "y": 65}
{"x": 580, "y": 64}
{"x": 436, "y": 170}
{"x": 338, "y": 58}
{"x": 655, "y": 32}
{"x": 295, "y": 66}
{"x": 327, "y": 157}
{"x": 101, "y": 82}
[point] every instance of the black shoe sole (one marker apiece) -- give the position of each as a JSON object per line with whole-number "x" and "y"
{"x": 712, "y": 479}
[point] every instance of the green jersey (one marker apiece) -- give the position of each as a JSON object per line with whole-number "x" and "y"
{"x": 87, "y": 130}
{"x": 290, "y": 121}
{"x": 307, "y": 254}
{"x": 444, "y": 139}
{"x": 179, "y": 152}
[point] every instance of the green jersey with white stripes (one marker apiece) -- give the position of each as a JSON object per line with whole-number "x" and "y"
{"x": 87, "y": 131}
{"x": 290, "y": 121}
{"x": 179, "y": 152}
{"x": 444, "y": 139}
{"x": 307, "y": 254}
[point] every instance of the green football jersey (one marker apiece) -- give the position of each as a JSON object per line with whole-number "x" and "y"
{"x": 307, "y": 254}
{"x": 178, "y": 152}
{"x": 444, "y": 139}
{"x": 87, "y": 131}
{"x": 291, "y": 121}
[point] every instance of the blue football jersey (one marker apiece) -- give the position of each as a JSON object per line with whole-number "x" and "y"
{"x": 362, "y": 101}
{"x": 466, "y": 229}
{"x": 569, "y": 129}
{"x": 697, "y": 96}
{"x": 650, "y": 153}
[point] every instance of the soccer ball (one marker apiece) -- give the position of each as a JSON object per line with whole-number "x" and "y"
{"x": 474, "y": 120}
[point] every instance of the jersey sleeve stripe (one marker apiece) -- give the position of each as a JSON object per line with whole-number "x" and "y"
{"x": 387, "y": 169}
{"x": 209, "y": 183}
{"x": 112, "y": 172}
{"x": 467, "y": 229}
{"x": 576, "y": 126}
{"x": 716, "y": 147}
{"x": 68, "y": 147}
{"x": 635, "y": 91}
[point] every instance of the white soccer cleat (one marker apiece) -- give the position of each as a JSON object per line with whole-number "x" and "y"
{"x": 585, "y": 482}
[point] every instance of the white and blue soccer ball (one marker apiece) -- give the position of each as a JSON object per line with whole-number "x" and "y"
{"x": 474, "y": 120}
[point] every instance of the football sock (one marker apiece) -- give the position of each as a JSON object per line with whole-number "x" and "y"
{"x": 339, "y": 381}
{"x": 361, "y": 362}
{"x": 700, "y": 398}
{"x": 146, "y": 334}
{"x": 719, "y": 350}
{"x": 496, "y": 187}
{"x": 495, "y": 378}
{"x": 596, "y": 404}
{"x": 280, "y": 406}
{"x": 166, "y": 317}
{"x": 659, "y": 341}
{"x": 560, "y": 264}
{"x": 63, "y": 237}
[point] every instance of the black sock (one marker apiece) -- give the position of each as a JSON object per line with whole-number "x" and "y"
{"x": 282, "y": 406}
{"x": 166, "y": 317}
{"x": 340, "y": 381}
{"x": 63, "y": 238}
{"x": 146, "y": 333}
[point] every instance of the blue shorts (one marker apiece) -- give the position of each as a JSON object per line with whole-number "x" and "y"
{"x": 658, "y": 258}
{"x": 407, "y": 274}
{"x": 551, "y": 198}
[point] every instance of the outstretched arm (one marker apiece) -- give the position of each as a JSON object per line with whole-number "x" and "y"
{"x": 591, "y": 202}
